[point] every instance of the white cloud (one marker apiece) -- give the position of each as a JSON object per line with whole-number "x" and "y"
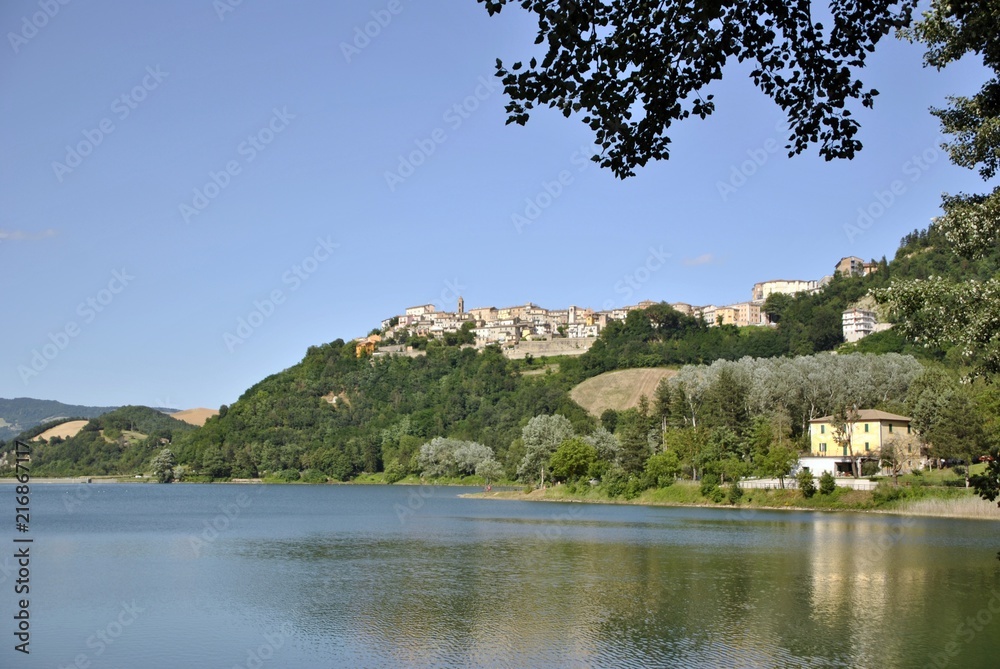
{"x": 703, "y": 259}
{"x": 23, "y": 236}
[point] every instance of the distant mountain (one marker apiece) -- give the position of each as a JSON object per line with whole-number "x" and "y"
{"x": 24, "y": 413}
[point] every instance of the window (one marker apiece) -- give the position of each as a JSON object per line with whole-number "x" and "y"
{"x": 822, "y": 448}
{"x": 845, "y": 450}
{"x": 890, "y": 428}
{"x": 866, "y": 446}
{"x": 907, "y": 428}
{"x": 866, "y": 427}
{"x": 822, "y": 429}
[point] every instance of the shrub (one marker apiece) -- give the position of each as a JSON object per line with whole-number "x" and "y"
{"x": 614, "y": 482}
{"x": 598, "y": 470}
{"x": 393, "y": 472}
{"x": 886, "y": 492}
{"x": 287, "y": 475}
{"x": 634, "y": 487}
{"x": 313, "y": 476}
{"x": 662, "y": 469}
{"x": 806, "y": 483}
{"x": 708, "y": 483}
{"x": 827, "y": 484}
{"x": 735, "y": 492}
{"x": 870, "y": 468}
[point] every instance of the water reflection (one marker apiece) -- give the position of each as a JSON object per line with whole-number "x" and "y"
{"x": 497, "y": 584}
{"x": 492, "y": 599}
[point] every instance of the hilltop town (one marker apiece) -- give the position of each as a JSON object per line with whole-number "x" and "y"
{"x": 530, "y": 329}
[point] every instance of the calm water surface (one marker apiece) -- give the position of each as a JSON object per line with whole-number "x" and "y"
{"x": 131, "y": 576}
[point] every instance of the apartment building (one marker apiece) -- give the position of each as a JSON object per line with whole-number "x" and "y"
{"x": 858, "y": 323}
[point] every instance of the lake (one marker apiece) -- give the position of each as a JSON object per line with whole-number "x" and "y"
{"x": 145, "y": 576}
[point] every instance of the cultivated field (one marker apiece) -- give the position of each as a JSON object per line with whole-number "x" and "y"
{"x": 619, "y": 390}
{"x": 63, "y": 430}
{"x": 195, "y": 416}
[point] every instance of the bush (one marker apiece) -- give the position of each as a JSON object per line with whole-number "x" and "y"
{"x": 735, "y": 492}
{"x": 662, "y": 469}
{"x": 870, "y": 468}
{"x": 806, "y": 483}
{"x": 287, "y": 475}
{"x": 886, "y": 492}
{"x": 393, "y": 472}
{"x": 708, "y": 483}
{"x": 614, "y": 482}
{"x": 827, "y": 484}
{"x": 313, "y": 476}
{"x": 717, "y": 494}
{"x": 634, "y": 487}
{"x": 598, "y": 470}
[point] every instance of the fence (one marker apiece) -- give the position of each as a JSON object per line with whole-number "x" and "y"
{"x": 792, "y": 484}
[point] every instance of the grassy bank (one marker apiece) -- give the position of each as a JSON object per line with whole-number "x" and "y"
{"x": 964, "y": 507}
{"x": 912, "y": 500}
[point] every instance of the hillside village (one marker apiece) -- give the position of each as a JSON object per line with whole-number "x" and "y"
{"x": 530, "y": 329}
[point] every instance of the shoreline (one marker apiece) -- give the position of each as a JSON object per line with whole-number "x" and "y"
{"x": 534, "y": 497}
{"x": 543, "y": 496}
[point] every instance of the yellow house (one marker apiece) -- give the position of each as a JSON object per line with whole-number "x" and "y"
{"x": 869, "y": 432}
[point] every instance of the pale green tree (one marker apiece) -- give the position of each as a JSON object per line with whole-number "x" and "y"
{"x": 606, "y": 444}
{"x": 163, "y": 465}
{"x": 541, "y": 436}
{"x": 489, "y": 470}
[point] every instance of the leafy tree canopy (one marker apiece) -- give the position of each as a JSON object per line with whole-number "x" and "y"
{"x": 940, "y": 311}
{"x": 633, "y": 67}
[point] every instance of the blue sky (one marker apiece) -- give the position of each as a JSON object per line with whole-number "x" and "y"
{"x": 236, "y": 162}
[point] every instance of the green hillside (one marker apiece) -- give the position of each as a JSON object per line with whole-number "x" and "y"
{"x": 385, "y": 408}
{"x": 339, "y": 415}
{"x": 118, "y": 442}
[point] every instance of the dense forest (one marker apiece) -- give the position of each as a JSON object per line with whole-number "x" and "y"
{"x": 337, "y": 415}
